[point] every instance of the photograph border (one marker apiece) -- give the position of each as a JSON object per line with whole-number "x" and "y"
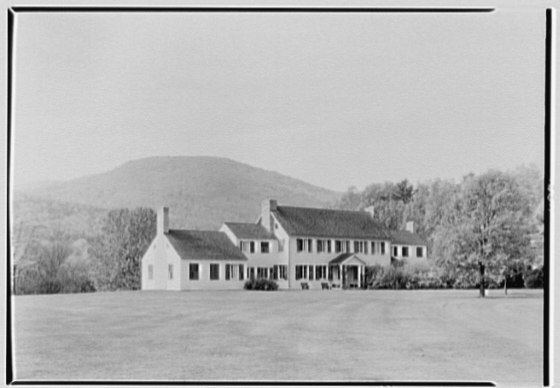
{"x": 550, "y": 41}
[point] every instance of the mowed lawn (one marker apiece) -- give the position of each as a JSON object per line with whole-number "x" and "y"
{"x": 285, "y": 335}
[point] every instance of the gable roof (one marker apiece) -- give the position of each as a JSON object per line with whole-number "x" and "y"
{"x": 248, "y": 230}
{"x": 406, "y": 238}
{"x": 301, "y": 221}
{"x": 344, "y": 257}
{"x": 203, "y": 245}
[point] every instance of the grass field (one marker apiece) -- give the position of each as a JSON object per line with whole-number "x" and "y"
{"x": 288, "y": 335}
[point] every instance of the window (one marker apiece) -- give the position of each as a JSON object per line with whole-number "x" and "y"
{"x": 299, "y": 272}
{"x": 365, "y": 247}
{"x": 319, "y": 246}
{"x": 347, "y": 246}
{"x": 320, "y": 272}
{"x": 252, "y": 247}
{"x": 329, "y": 247}
{"x": 264, "y": 247}
{"x": 338, "y": 246}
{"x": 283, "y": 272}
{"x": 405, "y": 251}
{"x": 310, "y": 272}
{"x": 281, "y": 245}
{"x": 383, "y": 247}
{"x": 360, "y": 246}
{"x": 396, "y": 251}
{"x": 251, "y": 272}
{"x": 241, "y": 271}
{"x": 228, "y": 271}
{"x": 299, "y": 244}
{"x": 373, "y": 247}
{"x": 193, "y": 271}
{"x": 214, "y": 271}
{"x": 170, "y": 269}
{"x": 262, "y": 273}
{"x": 309, "y": 245}
{"x": 150, "y": 272}
{"x": 275, "y": 272}
{"x": 244, "y": 245}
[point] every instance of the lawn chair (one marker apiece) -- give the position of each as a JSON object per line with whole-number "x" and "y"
{"x": 304, "y": 286}
{"x": 325, "y": 286}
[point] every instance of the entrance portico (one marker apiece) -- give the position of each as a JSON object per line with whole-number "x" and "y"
{"x": 349, "y": 269}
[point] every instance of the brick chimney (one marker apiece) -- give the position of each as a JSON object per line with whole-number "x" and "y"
{"x": 410, "y": 226}
{"x": 163, "y": 220}
{"x": 268, "y": 206}
{"x": 370, "y": 210}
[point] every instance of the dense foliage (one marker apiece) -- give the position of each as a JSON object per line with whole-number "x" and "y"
{"x": 261, "y": 285}
{"x": 119, "y": 249}
{"x": 109, "y": 260}
{"x": 494, "y": 219}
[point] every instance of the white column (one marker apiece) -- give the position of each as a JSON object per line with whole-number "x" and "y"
{"x": 359, "y": 276}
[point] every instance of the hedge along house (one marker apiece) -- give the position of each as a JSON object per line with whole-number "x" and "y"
{"x": 290, "y": 245}
{"x": 191, "y": 260}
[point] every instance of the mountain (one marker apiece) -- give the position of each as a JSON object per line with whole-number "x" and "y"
{"x": 201, "y": 192}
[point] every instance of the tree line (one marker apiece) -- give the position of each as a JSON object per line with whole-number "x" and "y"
{"x": 107, "y": 261}
{"x": 490, "y": 223}
{"x": 492, "y": 220}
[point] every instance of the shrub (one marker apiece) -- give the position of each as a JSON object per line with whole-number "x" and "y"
{"x": 534, "y": 278}
{"x": 408, "y": 276}
{"x": 391, "y": 278}
{"x": 261, "y": 285}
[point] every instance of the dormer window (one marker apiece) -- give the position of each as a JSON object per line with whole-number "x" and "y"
{"x": 265, "y": 247}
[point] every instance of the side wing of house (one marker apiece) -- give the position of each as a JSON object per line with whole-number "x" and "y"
{"x": 160, "y": 266}
{"x": 262, "y": 250}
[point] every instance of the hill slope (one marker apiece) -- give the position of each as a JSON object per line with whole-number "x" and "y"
{"x": 202, "y": 192}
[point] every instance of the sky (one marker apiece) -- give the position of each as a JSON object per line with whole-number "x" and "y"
{"x": 336, "y": 100}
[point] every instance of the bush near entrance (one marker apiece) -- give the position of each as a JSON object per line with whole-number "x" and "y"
{"x": 261, "y": 285}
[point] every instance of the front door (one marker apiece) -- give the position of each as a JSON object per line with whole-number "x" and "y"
{"x": 352, "y": 276}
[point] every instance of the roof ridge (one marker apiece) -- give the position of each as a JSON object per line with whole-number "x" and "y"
{"x": 194, "y": 230}
{"x": 319, "y": 208}
{"x": 241, "y": 223}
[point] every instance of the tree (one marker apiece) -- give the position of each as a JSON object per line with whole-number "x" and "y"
{"x": 403, "y": 192}
{"x": 491, "y": 230}
{"x": 126, "y": 235}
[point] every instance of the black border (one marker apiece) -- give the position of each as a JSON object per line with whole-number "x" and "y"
{"x": 9, "y": 349}
{"x": 250, "y": 9}
{"x": 289, "y": 9}
{"x": 547, "y": 188}
{"x": 273, "y": 383}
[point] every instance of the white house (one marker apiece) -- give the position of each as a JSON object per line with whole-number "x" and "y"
{"x": 191, "y": 260}
{"x": 295, "y": 246}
